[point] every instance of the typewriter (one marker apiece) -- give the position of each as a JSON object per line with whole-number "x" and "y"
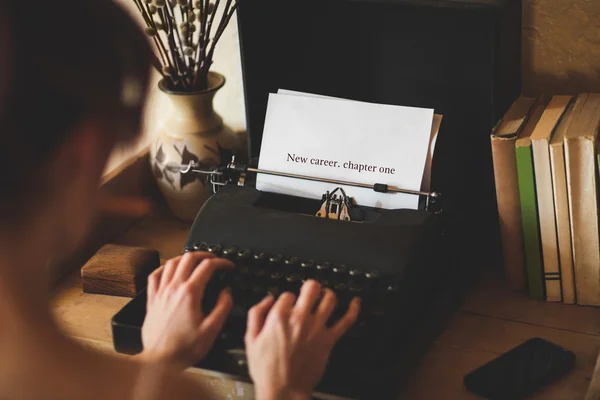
{"x": 392, "y": 259}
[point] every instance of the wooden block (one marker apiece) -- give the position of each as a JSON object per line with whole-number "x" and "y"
{"x": 119, "y": 270}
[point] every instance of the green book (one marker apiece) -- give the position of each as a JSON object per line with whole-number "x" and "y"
{"x": 530, "y": 220}
{"x": 534, "y": 262}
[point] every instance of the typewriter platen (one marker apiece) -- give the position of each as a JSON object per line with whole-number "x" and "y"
{"x": 392, "y": 259}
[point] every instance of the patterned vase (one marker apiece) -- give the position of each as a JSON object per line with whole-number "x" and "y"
{"x": 193, "y": 132}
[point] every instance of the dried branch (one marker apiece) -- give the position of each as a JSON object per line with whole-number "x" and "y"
{"x": 186, "y": 51}
{"x": 179, "y": 64}
{"x": 205, "y": 40}
{"x": 160, "y": 46}
{"x": 224, "y": 21}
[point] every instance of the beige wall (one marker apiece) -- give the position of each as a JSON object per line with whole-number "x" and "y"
{"x": 561, "y": 46}
{"x": 561, "y": 54}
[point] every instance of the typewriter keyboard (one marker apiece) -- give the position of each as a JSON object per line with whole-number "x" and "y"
{"x": 256, "y": 274}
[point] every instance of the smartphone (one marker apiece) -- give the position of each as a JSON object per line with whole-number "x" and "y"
{"x": 521, "y": 371}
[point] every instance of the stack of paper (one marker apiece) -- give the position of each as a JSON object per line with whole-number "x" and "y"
{"x": 350, "y": 141}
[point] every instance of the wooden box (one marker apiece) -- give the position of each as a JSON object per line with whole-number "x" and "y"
{"x": 119, "y": 270}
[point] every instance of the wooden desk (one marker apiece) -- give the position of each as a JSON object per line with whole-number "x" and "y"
{"x": 491, "y": 321}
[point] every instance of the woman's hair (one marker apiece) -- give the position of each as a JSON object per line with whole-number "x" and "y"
{"x": 64, "y": 61}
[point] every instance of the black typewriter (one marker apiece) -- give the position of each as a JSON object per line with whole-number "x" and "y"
{"x": 392, "y": 259}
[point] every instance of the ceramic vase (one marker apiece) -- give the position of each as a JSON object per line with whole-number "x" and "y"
{"x": 192, "y": 132}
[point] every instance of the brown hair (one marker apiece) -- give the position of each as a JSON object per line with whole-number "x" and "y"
{"x": 67, "y": 60}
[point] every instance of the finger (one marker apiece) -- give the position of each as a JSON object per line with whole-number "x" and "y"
{"x": 154, "y": 282}
{"x": 326, "y": 307}
{"x": 168, "y": 272}
{"x": 283, "y": 307}
{"x": 342, "y": 326}
{"x": 309, "y": 295}
{"x": 202, "y": 274}
{"x": 257, "y": 316}
{"x": 213, "y": 323}
{"x": 188, "y": 263}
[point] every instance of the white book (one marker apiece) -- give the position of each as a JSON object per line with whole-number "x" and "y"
{"x": 540, "y": 139}
{"x": 561, "y": 207}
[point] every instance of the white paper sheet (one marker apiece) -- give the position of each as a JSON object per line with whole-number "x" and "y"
{"x": 345, "y": 140}
{"x": 435, "y": 128}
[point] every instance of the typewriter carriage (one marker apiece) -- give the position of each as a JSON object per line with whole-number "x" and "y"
{"x": 232, "y": 172}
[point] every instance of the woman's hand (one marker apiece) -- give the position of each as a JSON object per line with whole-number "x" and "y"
{"x": 175, "y": 329}
{"x": 288, "y": 345}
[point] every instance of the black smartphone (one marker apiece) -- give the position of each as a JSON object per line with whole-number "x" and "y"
{"x": 521, "y": 371}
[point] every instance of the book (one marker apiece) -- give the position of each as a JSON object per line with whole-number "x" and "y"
{"x": 561, "y": 207}
{"x": 582, "y": 185}
{"x": 503, "y": 140}
{"x": 540, "y": 141}
{"x": 529, "y": 211}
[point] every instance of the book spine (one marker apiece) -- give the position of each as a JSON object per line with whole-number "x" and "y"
{"x": 509, "y": 210}
{"x": 547, "y": 219}
{"x": 563, "y": 223}
{"x": 530, "y": 222}
{"x": 583, "y": 206}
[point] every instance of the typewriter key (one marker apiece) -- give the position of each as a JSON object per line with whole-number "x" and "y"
{"x": 390, "y": 293}
{"x": 259, "y": 258}
{"x": 325, "y": 283}
{"x": 230, "y": 253}
{"x": 200, "y": 246}
{"x": 339, "y": 269}
{"x": 277, "y": 276}
{"x": 294, "y": 278}
{"x": 274, "y": 291}
{"x": 372, "y": 275}
{"x": 323, "y": 266}
{"x": 372, "y": 280}
{"x": 215, "y": 249}
{"x": 356, "y": 279}
{"x": 293, "y": 283}
{"x": 275, "y": 260}
{"x": 244, "y": 255}
{"x": 392, "y": 290}
{"x": 293, "y": 261}
{"x": 307, "y": 264}
{"x": 290, "y": 264}
{"x": 356, "y": 272}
